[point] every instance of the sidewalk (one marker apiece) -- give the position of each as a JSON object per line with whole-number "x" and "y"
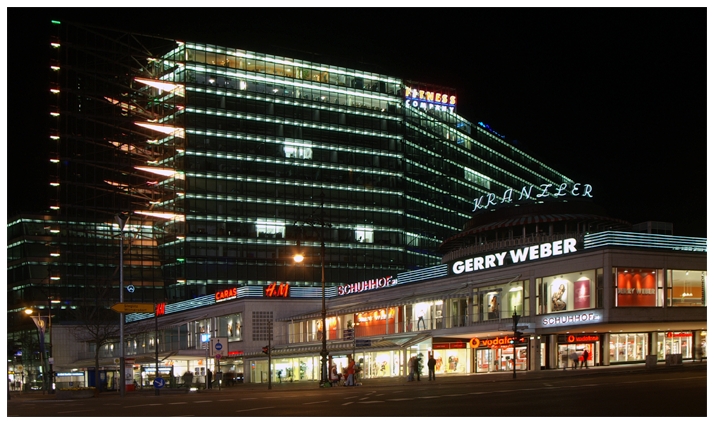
{"x": 399, "y": 381}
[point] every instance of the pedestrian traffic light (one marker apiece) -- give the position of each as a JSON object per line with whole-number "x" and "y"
{"x": 266, "y": 349}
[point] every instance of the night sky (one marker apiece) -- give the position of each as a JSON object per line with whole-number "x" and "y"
{"x": 611, "y": 97}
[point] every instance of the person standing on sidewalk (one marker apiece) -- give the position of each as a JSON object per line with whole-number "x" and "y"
{"x": 586, "y": 355}
{"x": 209, "y": 378}
{"x": 564, "y": 360}
{"x": 574, "y": 357}
{"x": 350, "y": 371}
{"x": 431, "y": 363}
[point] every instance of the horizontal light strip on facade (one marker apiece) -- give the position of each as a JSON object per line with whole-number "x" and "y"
{"x": 438, "y": 271}
{"x": 651, "y": 241}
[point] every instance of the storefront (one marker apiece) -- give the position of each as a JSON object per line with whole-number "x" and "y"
{"x": 498, "y": 353}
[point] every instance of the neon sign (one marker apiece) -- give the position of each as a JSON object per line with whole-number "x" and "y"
{"x": 538, "y": 251}
{"x": 569, "y": 319}
{"x": 429, "y": 100}
{"x": 377, "y": 283}
{"x": 277, "y": 290}
{"x": 543, "y": 190}
{"x": 494, "y": 342}
{"x": 226, "y": 294}
{"x": 378, "y": 315}
{"x": 160, "y": 309}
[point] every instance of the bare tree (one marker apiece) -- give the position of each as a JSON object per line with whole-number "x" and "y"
{"x": 97, "y": 323}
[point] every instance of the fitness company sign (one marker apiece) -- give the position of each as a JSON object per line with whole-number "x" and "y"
{"x": 539, "y": 251}
{"x": 572, "y": 318}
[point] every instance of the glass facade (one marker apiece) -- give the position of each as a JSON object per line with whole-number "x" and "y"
{"x": 686, "y": 288}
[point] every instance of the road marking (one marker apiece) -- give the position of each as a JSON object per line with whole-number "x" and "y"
{"x": 400, "y": 399}
{"x": 72, "y": 412}
{"x": 373, "y": 401}
{"x": 348, "y": 403}
{"x": 154, "y": 404}
{"x": 255, "y": 409}
{"x": 178, "y": 403}
{"x": 226, "y": 400}
{"x": 457, "y": 394}
{"x": 312, "y": 403}
{"x": 429, "y": 397}
{"x": 202, "y": 401}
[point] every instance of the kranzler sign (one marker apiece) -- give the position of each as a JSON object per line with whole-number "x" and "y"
{"x": 515, "y": 256}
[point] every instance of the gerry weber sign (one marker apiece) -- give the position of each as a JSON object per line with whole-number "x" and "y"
{"x": 539, "y": 251}
{"x": 543, "y": 190}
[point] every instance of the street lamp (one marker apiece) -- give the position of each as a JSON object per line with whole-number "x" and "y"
{"x": 121, "y": 220}
{"x": 324, "y": 380}
{"x": 40, "y": 323}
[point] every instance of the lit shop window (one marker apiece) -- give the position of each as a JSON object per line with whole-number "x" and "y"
{"x": 638, "y": 287}
{"x": 686, "y": 288}
{"x": 567, "y": 292}
{"x": 628, "y": 347}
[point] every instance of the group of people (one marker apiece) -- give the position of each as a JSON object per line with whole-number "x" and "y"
{"x": 415, "y": 365}
{"x": 575, "y": 359}
{"x": 348, "y": 373}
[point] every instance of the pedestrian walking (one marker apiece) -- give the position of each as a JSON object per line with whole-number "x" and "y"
{"x": 431, "y": 364}
{"x": 410, "y": 367}
{"x": 574, "y": 357}
{"x": 209, "y": 378}
{"x": 418, "y": 365}
{"x": 586, "y": 355}
{"x": 564, "y": 360}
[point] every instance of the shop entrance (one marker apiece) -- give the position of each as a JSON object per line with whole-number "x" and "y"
{"x": 578, "y": 349}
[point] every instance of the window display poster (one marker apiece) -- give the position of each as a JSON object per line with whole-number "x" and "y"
{"x": 636, "y": 288}
{"x": 493, "y": 306}
{"x": 559, "y": 297}
{"x": 582, "y": 294}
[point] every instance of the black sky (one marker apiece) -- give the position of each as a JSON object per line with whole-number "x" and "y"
{"x": 613, "y": 97}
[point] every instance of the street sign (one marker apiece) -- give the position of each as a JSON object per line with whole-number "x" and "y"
{"x": 348, "y": 334}
{"x": 217, "y": 347}
{"x": 218, "y": 356}
{"x": 363, "y": 343}
{"x": 128, "y": 308}
{"x": 159, "y": 383}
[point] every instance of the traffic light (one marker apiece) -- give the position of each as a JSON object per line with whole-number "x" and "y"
{"x": 266, "y": 349}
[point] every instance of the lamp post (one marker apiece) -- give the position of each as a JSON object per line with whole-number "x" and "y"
{"x": 121, "y": 220}
{"x": 40, "y": 323}
{"x": 324, "y": 380}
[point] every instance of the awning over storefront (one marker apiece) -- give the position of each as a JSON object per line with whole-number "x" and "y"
{"x": 381, "y": 302}
{"x": 347, "y": 347}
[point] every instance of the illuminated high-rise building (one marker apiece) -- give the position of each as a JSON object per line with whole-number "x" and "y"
{"x": 229, "y": 161}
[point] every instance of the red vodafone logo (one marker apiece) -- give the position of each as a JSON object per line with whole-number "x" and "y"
{"x": 475, "y": 342}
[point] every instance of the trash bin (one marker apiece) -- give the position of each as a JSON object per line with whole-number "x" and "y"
{"x": 650, "y": 361}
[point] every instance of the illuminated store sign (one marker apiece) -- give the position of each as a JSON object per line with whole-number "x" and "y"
{"x": 377, "y": 283}
{"x": 570, "y": 319}
{"x": 452, "y": 345}
{"x": 277, "y": 290}
{"x": 578, "y": 338}
{"x": 160, "y": 309}
{"x": 429, "y": 100}
{"x": 226, "y": 294}
{"x": 495, "y": 342}
{"x": 376, "y": 315}
{"x": 527, "y": 193}
{"x": 539, "y": 251}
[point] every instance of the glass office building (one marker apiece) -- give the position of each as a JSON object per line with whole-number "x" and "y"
{"x": 237, "y": 160}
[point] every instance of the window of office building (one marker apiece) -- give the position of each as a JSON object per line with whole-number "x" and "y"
{"x": 269, "y": 228}
{"x": 686, "y": 288}
{"x": 364, "y": 235}
{"x": 568, "y": 292}
{"x": 638, "y": 287}
{"x": 295, "y": 150}
{"x": 628, "y": 347}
